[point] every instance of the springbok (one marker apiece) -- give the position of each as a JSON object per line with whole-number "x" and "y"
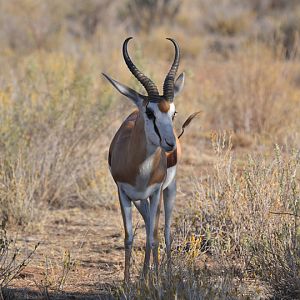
{"x": 143, "y": 157}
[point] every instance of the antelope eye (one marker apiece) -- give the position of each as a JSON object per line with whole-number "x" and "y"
{"x": 149, "y": 113}
{"x": 175, "y": 113}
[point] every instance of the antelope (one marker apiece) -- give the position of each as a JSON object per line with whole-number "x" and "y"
{"x": 143, "y": 157}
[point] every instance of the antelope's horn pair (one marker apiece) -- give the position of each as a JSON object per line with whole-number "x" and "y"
{"x": 149, "y": 85}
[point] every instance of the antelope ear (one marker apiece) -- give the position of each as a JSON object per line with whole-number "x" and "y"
{"x": 126, "y": 91}
{"x": 178, "y": 85}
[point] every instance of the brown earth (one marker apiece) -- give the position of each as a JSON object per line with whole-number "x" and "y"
{"x": 94, "y": 239}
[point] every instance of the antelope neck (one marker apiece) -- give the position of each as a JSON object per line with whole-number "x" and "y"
{"x": 139, "y": 147}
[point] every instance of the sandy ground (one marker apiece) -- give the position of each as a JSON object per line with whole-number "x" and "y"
{"x": 94, "y": 239}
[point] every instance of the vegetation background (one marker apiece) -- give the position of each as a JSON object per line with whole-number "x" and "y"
{"x": 236, "y": 224}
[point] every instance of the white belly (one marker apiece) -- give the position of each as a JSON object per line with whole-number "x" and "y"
{"x": 138, "y": 194}
{"x": 141, "y": 190}
{"x": 141, "y": 193}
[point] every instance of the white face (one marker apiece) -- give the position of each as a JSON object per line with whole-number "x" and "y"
{"x": 159, "y": 125}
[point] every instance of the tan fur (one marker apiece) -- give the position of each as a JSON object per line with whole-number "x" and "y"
{"x": 174, "y": 156}
{"x": 124, "y": 165}
{"x": 159, "y": 167}
{"x": 164, "y": 106}
{"x": 125, "y": 157}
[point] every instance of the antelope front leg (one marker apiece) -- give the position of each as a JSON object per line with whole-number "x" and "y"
{"x": 169, "y": 200}
{"x": 127, "y": 220}
{"x": 143, "y": 207}
{"x": 155, "y": 202}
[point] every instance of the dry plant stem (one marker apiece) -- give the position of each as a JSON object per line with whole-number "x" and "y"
{"x": 10, "y": 267}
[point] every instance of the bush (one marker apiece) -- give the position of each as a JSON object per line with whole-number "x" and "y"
{"x": 11, "y": 260}
{"x": 247, "y": 217}
{"x": 52, "y": 136}
{"x": 254, "y": 95}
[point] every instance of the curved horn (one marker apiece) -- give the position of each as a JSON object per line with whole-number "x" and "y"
{"x": 144, "y": 80}
{"x": 169, "y": 81}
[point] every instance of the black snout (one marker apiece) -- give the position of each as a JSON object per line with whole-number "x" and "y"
{"x": 171, "y": 145}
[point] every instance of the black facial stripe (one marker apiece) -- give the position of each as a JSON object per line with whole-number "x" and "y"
{"x": 155, "y": 127}
{"x": 156, "y": 130}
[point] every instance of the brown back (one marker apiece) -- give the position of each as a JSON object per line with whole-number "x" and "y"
{"x": 125, "y": 156}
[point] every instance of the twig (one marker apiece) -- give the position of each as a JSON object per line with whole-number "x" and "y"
{"x": 283, "y": 213}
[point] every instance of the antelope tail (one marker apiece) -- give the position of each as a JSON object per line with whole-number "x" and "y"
{"x": 188, "y": 121}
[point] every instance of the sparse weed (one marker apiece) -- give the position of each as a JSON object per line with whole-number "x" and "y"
{"x": 56, "y": 273}
{"x": 239, "y": 236}
{"x": 12, "y": 262}
{"x": 247, "y": 217}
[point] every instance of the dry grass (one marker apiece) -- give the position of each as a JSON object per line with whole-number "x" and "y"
{"x": 237, "y": 224}
{"x": 239, "y": 234}
{"x": 12, "y": 261}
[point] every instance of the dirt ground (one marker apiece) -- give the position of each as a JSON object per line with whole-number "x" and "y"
{"x": 93, "y": 237}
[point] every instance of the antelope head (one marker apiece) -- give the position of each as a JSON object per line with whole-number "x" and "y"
{"x": 158, "y": 111}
